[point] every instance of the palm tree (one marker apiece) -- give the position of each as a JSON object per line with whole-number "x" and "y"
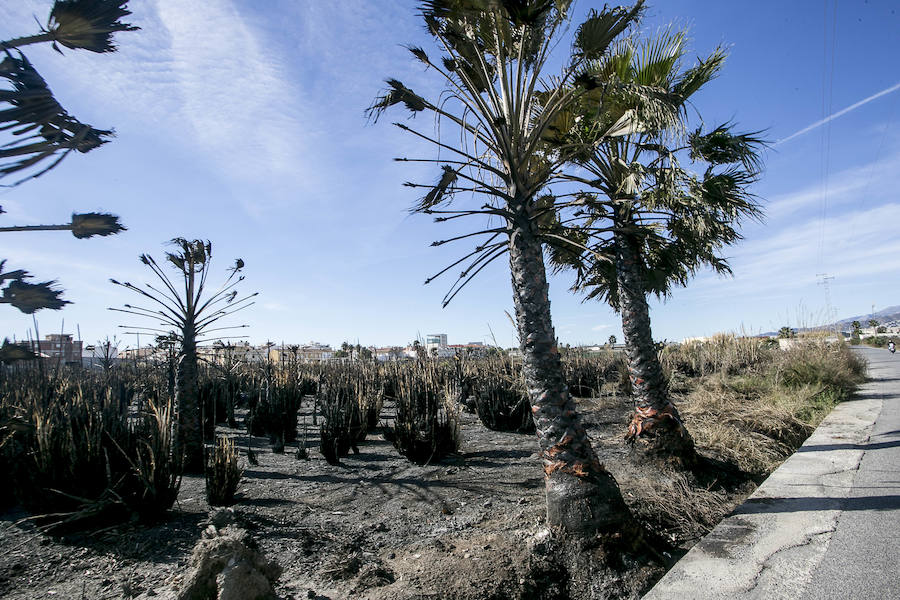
{"x": 190, "y": 312}
{"x": 648, "y": 224}
{"x": 500, "y": 100}
{"x": 785, "y": 332}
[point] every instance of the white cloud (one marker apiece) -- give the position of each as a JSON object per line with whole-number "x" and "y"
{"x": 235, "y": 94}
{"x": 844, "y": 187}
{"x": 600, "y": 327}
{"x": 864, "y": 245}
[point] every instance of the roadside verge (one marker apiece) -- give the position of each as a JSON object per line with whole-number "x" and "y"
{"x": 769, "y": 546}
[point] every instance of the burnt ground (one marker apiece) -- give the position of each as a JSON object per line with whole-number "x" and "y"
{"x": 376, "y": 526}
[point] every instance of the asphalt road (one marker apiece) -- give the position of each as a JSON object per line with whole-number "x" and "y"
{"x": 825, "y": 524}
{"x": 863, "y": 558}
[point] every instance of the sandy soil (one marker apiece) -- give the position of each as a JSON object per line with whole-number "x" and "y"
{"x": 376, "y": 526}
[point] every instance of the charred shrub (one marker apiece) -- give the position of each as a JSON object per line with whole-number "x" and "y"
{"x": 350, "y": 405}
{"x": 78, "y": 451}
{"x": 427, "y": 426}
{"x": 502, "y": 404}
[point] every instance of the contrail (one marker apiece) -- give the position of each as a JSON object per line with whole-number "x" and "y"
{"x": 840, "y": 113}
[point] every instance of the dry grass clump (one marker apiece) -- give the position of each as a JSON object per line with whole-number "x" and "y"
{"x": 745, "y": 422}
{"x": 756, "y": 420}
{"x": 222, "y": 473}
{"x": 820, "y": 363}
{"x": 723, "y": 353}
{"x": 674, "y": 506}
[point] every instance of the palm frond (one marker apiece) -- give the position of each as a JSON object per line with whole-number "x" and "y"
{"x": 41, "y": 127}
{"x": 396, "y": 94}
{"x": 88, "y": 24}
{"x": 32, "y": 297}
{"x": 87, "y": 225}
{"x": 722, "y": 147}
{"x": 699, "y": 75}
{"x": 594, "y": 36}
{"x": 440, "y": 191}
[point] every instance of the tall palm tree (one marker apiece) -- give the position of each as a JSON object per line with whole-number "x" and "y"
{"x": 649, "y": 223}
{"x": 499, "y": 98}
{"x": 190, "y": 312}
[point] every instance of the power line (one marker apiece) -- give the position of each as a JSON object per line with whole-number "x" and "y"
{"x": 827, "y": 105}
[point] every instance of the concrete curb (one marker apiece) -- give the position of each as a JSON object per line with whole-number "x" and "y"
{"x": 770, "y": 546}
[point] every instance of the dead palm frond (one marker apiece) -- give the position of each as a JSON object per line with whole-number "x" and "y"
{"x": 88, "y": 24}
{"x": 83, "y": 225}
{"x": 40, "y": 126}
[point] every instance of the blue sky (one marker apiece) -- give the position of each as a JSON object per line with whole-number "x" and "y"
{"x": 245, "y": 126}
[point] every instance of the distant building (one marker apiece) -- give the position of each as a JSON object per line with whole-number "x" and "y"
{"x": 311, "y": 352}
{"x": 58, "y": 347}
{"x": 389, "y": 353}
{"x": 435, "y": 340}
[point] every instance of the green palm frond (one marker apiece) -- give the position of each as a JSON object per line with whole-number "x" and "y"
{"x": 88, "y": 24}
{"x": 600, "y": 29}
{"x": 722, "y": 147}
{"x": 530, "y": 13}
{"x": 699, "y": 75}
{"x": 40, "y": 126}
{"x": 675, "y": 222}
{"x": 658, "y": 57}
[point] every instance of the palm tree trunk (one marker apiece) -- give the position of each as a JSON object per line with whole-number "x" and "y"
{"x": 582, "y": 497}
{"x": 656, "y": 423}
{"x": 186, "y": 399}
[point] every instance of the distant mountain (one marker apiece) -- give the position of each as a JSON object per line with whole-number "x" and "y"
{"x": 885, "y": 315}
{"x": 891, "y": 313}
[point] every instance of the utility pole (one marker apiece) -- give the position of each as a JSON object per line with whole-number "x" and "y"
{"x": 825, "y": 280}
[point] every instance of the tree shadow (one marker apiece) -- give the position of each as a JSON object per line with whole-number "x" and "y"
{"x": 849, "y": 446}
{"x": 493, "y": 458}
{"x": 787, "y": 505}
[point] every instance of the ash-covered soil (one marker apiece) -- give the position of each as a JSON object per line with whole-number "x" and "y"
{"x": 376, "y": 526}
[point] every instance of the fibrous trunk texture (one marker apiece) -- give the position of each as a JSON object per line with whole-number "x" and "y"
{"x": 656, "y": 428}
{"x": 186, "y": 399}
{"x": 582, "y": 497}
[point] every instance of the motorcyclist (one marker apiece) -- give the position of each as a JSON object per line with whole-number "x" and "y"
{"x": 891, "y": 346}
